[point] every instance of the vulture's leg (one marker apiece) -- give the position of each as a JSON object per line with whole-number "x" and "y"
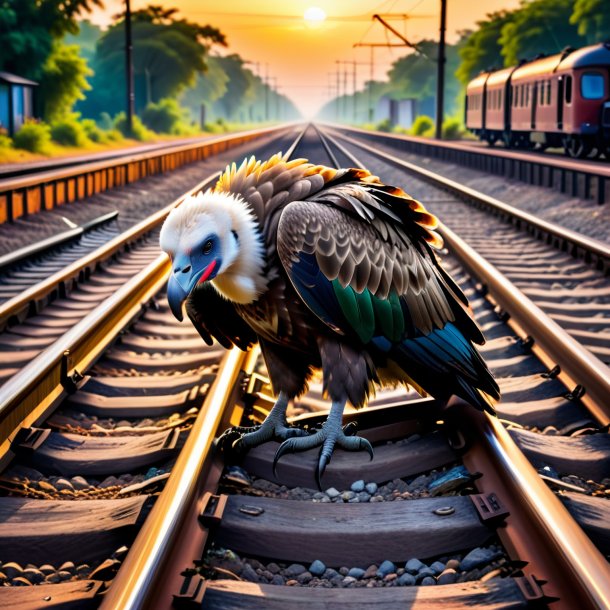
{"x": 330, "y": 435}
{"x": 274, "y": 427}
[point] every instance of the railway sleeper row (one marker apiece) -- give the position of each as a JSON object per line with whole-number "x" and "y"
{"x": 81, "y": 485}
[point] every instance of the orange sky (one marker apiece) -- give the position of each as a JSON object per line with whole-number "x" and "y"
{"x": 303, "y": 56}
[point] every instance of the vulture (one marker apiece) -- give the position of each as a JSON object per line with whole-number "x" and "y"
{"x": 327, "y": 269}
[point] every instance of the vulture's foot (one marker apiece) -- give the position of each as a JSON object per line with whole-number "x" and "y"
{"x": 326, "y": 438}
{"x": 242, "y": 439}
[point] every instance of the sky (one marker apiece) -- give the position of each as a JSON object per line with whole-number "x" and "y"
{"x": 300, "y": 57}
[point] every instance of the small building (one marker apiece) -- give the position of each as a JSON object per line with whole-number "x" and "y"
{"x": 16, "y": 101}
{"x": 399, "y": 112}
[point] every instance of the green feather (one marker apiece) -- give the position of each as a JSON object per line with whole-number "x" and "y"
{"x": 384, "y": 317}
{"x": 357, "y": 309}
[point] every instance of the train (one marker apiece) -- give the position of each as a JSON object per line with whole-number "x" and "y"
{"x": 560, "y": 100}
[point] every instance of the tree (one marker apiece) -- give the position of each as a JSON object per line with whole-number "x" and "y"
{"x": 541, "y": 26}
{"x": 209, "y": 86}
{"x": 167, "y": 55}
{"x": 481, "y": 49}
{"x": 28, "y": 29}
{"x": 414, "y": 76}
{"x": 239, "y": 91}
{"x": 593, "y": 20}
{"x": 86, "y": 38}
{"x": 63, "y": 81}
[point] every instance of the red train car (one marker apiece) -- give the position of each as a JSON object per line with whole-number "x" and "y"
{"x": 560, "y": 100}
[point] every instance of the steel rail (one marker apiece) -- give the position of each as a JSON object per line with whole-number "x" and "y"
{"x": 556, "y": 345}
{"x": 539, "y": 528}
{"x": 588, "y": 245}
{"x": 46, "y": 190}
{"x": 136, "y": 584}
{"x": 45, "y": 245}
{"x": 36, "y": 388}
{"x": 24, "y": 302}
{"x": 527, "y": 167}
{"x": 30, "y": 181}
{"x": 580, "y": 365}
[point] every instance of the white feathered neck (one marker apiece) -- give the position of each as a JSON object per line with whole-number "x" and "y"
{"x": 241, "y": 277}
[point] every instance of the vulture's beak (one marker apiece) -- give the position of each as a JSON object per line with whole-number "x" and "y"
{"x": 176, "y": 295}
{"x": 183, "y": 280}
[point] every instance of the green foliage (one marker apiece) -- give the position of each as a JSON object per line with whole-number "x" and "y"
{"x": 481, "y": 49}
{"x": 385, "y": 125}
{"x": 105, "y": 121}
{"x": 92, "y": 131}
{"x": 167, "y": 55}
{"x": 165, "y": 117}
{"x": 414, "y": 76}
{"x": 63, "y": 81}
{"x": 422, "y": 126}
{"x": 239, "y": 91}
{"x": 28, "y": 29}
{"x": 33, "y": 136}
{"x": 540, "y": 26}
{"x": 69, "y": 132}
{"x": 453, "y": 129}
{"x": 139, "y": 130}
{"x": 86, "y": 38}
{"x": 593, "y": 19}
{"x": 208, "y": 87}
{"x": 5, "y": 142}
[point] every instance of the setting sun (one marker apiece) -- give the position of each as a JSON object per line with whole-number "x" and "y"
{"x": 314, "y": 14}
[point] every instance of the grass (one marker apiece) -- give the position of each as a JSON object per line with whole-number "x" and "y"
{"x": 56, "y": 151}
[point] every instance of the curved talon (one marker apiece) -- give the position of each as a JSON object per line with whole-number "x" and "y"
{"x": 226, "y": 441}
{"x": 366, "y": 445}
{"x": 323, "y": 461}
{"x": 286, "y": 447}
{"x": 350, "y": 428}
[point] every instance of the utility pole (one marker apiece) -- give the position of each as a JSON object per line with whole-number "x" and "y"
{"x": 266, "y": 91}
{"x": 338, "y": 74}
{"x": 440, "y": 78}
{"x": 129, "y": 69}
{"x": 372, "y": 46}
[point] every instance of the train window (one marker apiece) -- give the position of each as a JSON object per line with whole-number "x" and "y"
{"x": 568, "y": 90}
{"x": 500, "y": 99}
{"x": 592, "y": 86}
{"x": 548, "y": 92}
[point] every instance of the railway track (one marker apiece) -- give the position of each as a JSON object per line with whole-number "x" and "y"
{"x": 48, "y": 287}
{"x": 582, "y": 178}
{"x": 115, "y": 450}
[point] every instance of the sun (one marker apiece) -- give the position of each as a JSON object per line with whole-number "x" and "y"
{"x": 314, "y": 14}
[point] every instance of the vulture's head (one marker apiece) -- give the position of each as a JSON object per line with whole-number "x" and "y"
{"x": 213, "y": 237}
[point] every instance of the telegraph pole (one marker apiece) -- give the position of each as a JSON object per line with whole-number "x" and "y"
{"x": 266, "y": 91}
{"x": 440, "y": 78}
{"x": 129, "y": 69}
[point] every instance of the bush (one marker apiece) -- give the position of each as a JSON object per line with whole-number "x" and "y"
{"x": 452, "y": 129}
{"x": 422, "y": 126}
{"x": 113, "y": 135}
{"x": 218, "y": 126}
{"x": 33, "y": 136}
{"x": 139, "y": 131}
{"x": 92, "y": 131}
{"x": 5, "y": 141}
{"x": 166, "y": 117}
{"x": 385, "y": 125}
{"x": 69, "y": 132}
{"x": 105, "y": 122}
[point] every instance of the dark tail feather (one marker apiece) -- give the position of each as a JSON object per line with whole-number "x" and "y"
{"x": 444, "y": 362}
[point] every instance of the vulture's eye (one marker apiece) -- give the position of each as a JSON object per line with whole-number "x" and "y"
{"x": 207, "y": 247}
